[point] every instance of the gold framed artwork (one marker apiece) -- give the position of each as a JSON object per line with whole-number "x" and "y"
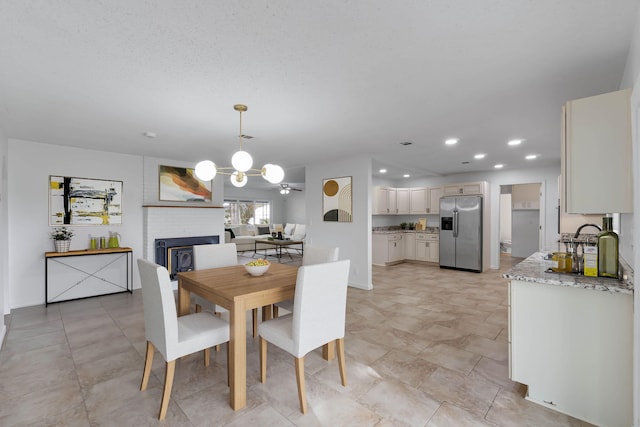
{"x": 336, "y": 199}
{"x": 182, "y": 185}
{"x": 84, "y": 201}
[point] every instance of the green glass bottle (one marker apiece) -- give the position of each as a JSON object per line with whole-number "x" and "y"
{"x": 607, "y": 250}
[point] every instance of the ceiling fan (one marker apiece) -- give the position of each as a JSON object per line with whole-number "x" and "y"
{"x": 286, "y": 189}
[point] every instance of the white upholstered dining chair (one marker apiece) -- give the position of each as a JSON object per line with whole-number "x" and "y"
{"x": 171, "y": 335}
{"x": 213, "y": 256}
{"x": 318, "y": 318}
{"x": 312, "y": 254}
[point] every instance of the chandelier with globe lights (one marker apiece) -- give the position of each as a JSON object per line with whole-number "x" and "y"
{"x": 241, "y": 165}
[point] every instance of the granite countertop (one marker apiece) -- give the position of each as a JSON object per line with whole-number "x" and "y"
{"x": 534, "y": 269}
{"x": 428, "y": 230}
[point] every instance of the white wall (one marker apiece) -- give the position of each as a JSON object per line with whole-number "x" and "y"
{"x": 29, "y": 167}
{"x": 353, "y": 238}
{"x": 505, "y": 217}
{"x": 4, "y": 232}
{"x": 295, "y": 207}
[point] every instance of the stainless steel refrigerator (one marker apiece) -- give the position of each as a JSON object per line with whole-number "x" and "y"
{"x": 461, "y": 232}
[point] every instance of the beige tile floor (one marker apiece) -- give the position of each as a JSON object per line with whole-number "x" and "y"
{"x": 426, "y": 347}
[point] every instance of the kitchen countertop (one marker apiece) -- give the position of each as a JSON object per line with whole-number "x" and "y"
{"x": 534, "y": 269}
{"x": 429, "y": 230}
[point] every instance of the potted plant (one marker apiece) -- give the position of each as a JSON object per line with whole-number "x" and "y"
{"x": 411, "y": 225}
{"x": 61, "y": 238}
{"x": 403, "y": 225}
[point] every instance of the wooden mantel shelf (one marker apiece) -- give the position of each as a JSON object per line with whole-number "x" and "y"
{"x": 184, "y": 206}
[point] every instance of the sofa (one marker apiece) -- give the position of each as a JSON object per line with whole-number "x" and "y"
{"x": 245, "y": 235}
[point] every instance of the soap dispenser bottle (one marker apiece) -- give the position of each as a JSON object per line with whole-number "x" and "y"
{"x": 607, "y": 250}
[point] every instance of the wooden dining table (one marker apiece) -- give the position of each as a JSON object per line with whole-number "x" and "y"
{"x": 237, "y": 291}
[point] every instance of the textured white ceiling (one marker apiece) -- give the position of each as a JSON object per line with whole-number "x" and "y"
{"x": 321, "y": 79}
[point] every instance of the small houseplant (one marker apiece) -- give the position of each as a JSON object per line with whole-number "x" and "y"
{"x": 411, "y": 225}
{"x": 61, "y": 238}
{"x": 403, "y": 225}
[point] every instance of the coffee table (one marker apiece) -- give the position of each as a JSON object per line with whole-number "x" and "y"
{"x": 278, "y": 244}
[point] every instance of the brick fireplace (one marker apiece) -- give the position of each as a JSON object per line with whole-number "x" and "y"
{"x": 180, "y": 227}
{"x": 176, "y": 254}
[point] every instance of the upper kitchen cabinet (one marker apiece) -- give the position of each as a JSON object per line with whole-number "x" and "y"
{"x": 384, "y": 201}
{"x": 596, "y": 154}
{"x": 434, "y": 200}
{"x": 403, "y": 201}
{"x": 525, "y": 196}
{"x": 464, "y": 189}
{"x": 419, "y": 201}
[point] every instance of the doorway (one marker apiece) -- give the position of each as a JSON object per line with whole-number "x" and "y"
{"x": 520, "y": 219}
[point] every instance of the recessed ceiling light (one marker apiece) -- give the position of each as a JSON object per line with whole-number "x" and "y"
{"x": 150, "y": 134}
{"x": 515, "y": 142}
{"x": 451, "y": 141}
{"x": 498, "y": 166}
{"x": 406, "y": 175}
{"x": 382, "y": 171}
{"x": 479, "y": 156}
{"x": 531, "y": 156}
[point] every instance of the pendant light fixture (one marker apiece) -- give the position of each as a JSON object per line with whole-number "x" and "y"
{"x": 241, "y": 165}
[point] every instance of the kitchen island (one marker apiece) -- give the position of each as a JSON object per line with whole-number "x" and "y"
{"x": 571, "y": 341}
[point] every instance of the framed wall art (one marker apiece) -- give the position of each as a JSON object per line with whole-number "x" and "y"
{"x": 336, "y": 199}
{"x": 84, "y": 201}
{"x": 181, "y": 185}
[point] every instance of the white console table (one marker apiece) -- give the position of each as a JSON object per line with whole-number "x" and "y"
{"x": 87, "y": 273}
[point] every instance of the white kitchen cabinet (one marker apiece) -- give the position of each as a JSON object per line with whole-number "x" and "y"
{"x": 434, "y": 252}
{"x": 464, "y": 189}
{"x": 427, "y": 247}
{"x": 525, "y": 196}
{"x": 434, "y": 200}
{"x": 387, "y": 248}
{"x": 422, "y": 248}
{"x": 419, "y": 200}
{"x": 572, "y": 347}
{"x": 403, "y": 201}
{"x": 396, "y": 248}
{"x": 409, "y": 246}
{"x": 596, "y": 158}
{"x": 384, "y": 201}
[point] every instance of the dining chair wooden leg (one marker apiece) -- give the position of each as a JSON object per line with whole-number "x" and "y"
{"x": 275, "y": 311}
{"x": 302, "y": 394}
{"x": 263, "y": 360}
{"x": 341, "y": 364}
{"x": 148, "y": 361}
{"x": 218, "y": 345}
{"x": 207, "y": 356}
{"x": 166, "y": 393}
{"x": 254, "y": 315}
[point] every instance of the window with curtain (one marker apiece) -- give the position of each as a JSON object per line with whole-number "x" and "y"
{"x": 254, "y": 212}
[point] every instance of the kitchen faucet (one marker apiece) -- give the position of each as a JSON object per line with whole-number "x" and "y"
{"x": 583, "y": 226}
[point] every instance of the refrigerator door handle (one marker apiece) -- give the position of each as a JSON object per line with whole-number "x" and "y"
{"x": 455, "y": 223}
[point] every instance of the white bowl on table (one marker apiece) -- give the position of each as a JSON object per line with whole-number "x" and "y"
{"x": 257, "y": 270}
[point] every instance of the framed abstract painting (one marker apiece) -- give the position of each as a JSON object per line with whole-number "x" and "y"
{"x": 84, "y": 201}
{"x": 336, "y": 199}
{"x": 181, "y": 185}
